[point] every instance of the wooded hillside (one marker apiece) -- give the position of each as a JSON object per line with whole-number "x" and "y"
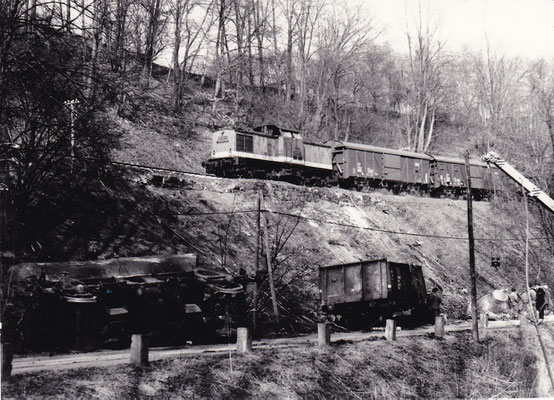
{"x": 80, "y": 86}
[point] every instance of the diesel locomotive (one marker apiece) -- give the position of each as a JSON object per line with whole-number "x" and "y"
{"x": 271, "y": 152}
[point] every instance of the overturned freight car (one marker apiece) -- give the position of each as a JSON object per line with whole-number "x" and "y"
{"x": 86, "y": 305}
{"x": 360, "y": 294}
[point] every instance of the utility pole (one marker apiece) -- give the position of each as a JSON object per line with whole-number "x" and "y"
{"x": 257, "y": 270}
{"x": 270, "y": 270}
{"x": 71, "y": 104}
{"x": 472, "y": 274}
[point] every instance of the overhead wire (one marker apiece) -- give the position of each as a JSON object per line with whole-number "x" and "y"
{"x": 344, "y": 225}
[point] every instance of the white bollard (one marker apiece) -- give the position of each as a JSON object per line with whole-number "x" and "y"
{"x": 244, "y": 340}
{"x": 139, "y": 350}
{"x": 390, "y": 329}
{"x": 323, "y": 334}
{"x": 439, "y": 326}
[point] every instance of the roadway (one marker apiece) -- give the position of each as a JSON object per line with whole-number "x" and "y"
{"x": 116, "y": 357}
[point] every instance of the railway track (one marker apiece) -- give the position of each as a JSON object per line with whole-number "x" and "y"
{"x": 104, "y": 358}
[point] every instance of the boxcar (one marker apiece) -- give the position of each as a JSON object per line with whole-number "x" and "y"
{"x": 450, "y": 175}
{"x": 363, "y": 292}
{"x": 359, "y": 165}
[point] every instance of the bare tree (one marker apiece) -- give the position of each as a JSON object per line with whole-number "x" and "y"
{"x": 308, "y": 14}
{"x": 494, "y": 79}
{"x": 188, "y": 31}
{"x": 156, "y": 21}
{"x": 344, "y": 36}
{"x": 425, "y": 63}
{"x": 541, "y": 85}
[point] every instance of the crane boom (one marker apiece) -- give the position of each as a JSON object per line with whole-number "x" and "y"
{"x": 534, "y": 190}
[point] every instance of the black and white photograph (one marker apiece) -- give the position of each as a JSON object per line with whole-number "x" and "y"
{"x": 276, "y": 199}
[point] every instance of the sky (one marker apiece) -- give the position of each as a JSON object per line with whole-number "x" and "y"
{"x": 522, "y": 28}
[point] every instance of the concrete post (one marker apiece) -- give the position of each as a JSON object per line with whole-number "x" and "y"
{"x": 390, "y": 329}
{"x": 6, "y": 355}
{"x": 523, "y": 322}
{"x": 139, "y": 350}
{"x": 439, "y": 327}
{"x": 244, "y": 340}
{"x": 323, "y": 334}
{"x": 484, "y": 321}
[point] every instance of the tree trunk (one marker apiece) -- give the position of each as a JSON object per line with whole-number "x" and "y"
{"x": 176, "y": 70}
{"x": 289, "y": 89}
{"x": 421, "y": 134}
{"x": 430, "y": 133}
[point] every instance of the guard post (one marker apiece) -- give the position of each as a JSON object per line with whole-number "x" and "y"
{"x": 139, "y": 350}
{"x": 244, "y": 340}
{"x": 323, "y": 334}
{"x": 390, "y": 329}
{"x": 439, "y": 326}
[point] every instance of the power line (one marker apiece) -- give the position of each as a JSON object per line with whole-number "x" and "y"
{"x": 186, "y": 214}
{"x": 390, "y": 231}
{"x": 341, "y": 224}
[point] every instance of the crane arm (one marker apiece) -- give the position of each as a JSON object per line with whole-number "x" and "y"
{"x": 534, "y": 190}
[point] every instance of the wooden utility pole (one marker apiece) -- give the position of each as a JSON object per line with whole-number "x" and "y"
{"x": 270, "y": 270}
{"x": 257, "y": 269}
{"x": 472, "y": 274}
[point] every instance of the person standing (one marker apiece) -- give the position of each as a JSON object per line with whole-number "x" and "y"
{"x": 434, "y": 302}
{"x": 514, "y": 302}
{"x": 540, "y": 301}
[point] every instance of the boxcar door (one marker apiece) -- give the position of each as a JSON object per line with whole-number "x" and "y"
{"x": 392, "y": 167}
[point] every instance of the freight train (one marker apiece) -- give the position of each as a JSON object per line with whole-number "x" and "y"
{"x": 271, "y": 152}
{"x": 98, "y": 304}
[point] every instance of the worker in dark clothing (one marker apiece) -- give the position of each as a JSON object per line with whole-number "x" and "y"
{"x": 540, "y": 302}
{"x": 434, "y": 304}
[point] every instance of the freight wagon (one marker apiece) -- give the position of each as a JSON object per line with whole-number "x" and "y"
{"x": 359, "y": 294}
{"x": 359, "y": 165}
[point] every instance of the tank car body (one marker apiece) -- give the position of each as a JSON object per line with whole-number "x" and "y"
{"x": 360, "y": 293}
{"x": 269, "y": 152}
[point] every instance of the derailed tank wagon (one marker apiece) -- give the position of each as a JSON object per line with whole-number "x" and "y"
{"x": 95, "y": 304}
{"x": 359, "y": 294}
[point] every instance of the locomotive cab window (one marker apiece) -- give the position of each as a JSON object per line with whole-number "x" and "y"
{"x": 245, "y": 143}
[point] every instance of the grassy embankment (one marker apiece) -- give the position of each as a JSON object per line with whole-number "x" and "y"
{"x": 421, "y": 367}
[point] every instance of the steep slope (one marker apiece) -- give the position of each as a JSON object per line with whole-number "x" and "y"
{"x": 216, "y": 218}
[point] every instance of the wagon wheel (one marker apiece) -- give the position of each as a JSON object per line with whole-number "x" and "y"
{"x": 231, "y": 288}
